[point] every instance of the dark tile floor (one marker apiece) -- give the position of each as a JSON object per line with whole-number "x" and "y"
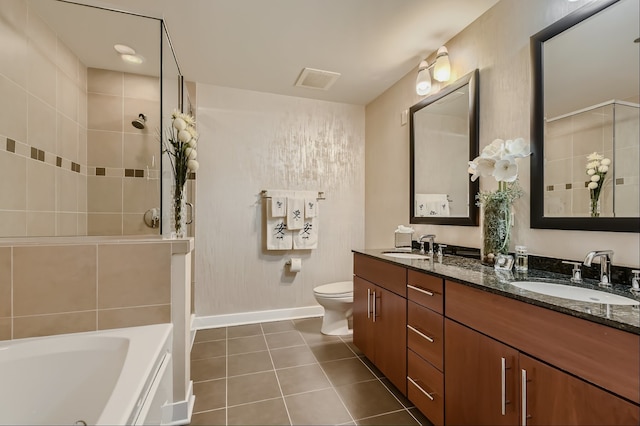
{"x": 288, "y": 373}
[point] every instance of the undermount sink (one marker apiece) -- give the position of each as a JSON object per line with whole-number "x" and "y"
{"x": 401, "y": 255}
{"x": 574, "y": 293}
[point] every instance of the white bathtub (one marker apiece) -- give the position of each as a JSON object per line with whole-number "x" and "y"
{"x": 111, "y": 377}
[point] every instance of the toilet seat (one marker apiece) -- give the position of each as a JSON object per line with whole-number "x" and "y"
{"x": 335, "y": 290}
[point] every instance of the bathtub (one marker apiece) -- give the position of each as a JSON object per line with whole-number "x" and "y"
{"x": 111, "y": 377}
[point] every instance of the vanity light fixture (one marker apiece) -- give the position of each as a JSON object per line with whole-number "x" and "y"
{"x": 441, "y": 71}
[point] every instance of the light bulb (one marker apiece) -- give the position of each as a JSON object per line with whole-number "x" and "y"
{"x": 442, "y": 67}
{"x": 423, "y": 81}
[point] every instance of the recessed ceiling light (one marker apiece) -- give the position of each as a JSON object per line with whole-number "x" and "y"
{"x": 133, "y": 59}
{"x": 123, "y": 49}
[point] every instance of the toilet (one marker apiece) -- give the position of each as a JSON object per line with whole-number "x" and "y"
{"x": 337, "y": 301}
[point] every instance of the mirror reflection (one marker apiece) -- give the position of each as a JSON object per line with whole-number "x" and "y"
{"x": 79, "y": 124}
{"x": 587, "y": 100}
{"x": 443, "y": 140}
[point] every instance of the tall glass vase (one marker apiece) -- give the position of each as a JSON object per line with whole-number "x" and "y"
{"x": 496, "y": 221}
{"x": 594, "y": 207}
{"x": 178, "y": 212}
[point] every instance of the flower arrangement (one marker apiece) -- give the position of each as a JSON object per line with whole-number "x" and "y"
{"x": 498, "y": 160}
{"x": 180, "y": 145}
{"x": 597, "y": 168}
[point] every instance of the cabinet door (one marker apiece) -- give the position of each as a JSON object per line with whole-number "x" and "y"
{"x": 391, "y": 337}
{"x": 553, "y": 397}
{"x": 480, "y": 378}
{"x": 363, "y": 333}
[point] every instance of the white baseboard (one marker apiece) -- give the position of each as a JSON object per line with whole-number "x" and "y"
{"x": 180, "y": 412}
{"x": 216, "y": 321}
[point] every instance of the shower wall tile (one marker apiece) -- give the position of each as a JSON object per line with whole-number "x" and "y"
{"x": 41, "y": 122}
{"x": 82, "y": 193}
{"x": 104, "y": 81}
{"x": 141, "y": 87}
{"x": 142, "y": 151}
{"x": 5, "y": 282}
{"x": 140, "y": 195}
{"x": 104, "y": 194}
{"x": 67, "y": 138}
{"x": 151, "y": 109}
{"x": 67, "y": 97}
{"x": 41, "y": 194}
{"x": 104, "y": 224}
{"x": 13, "y": 110}
{"x": 132, "y": 317}
{"x": 13, "y": 182}
{"x": 66, "y": 190}
{"x": 41, "y": 75}
{"x": 82, "y": 146}
{"x": 104, "y": 112}
{"x": 48, "y": 325}
{"x": 42, "y": 37}
{"x": 104, "y": 149}
{"x": 67, "y": 61}
{"x": 66, "y": 224}
{"x": 13, "y": 21}
{"x": 133, "y": 224}
{"x": 5, "y": 328}
{"x": 41, "y": 224}
{"x": 13, "y": 223}
{"x": 53, "y": 280}
{"x": 134, "y": 275}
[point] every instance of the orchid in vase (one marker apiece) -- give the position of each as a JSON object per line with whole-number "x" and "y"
{"x": 597, "y": 168}
{"x": 498, "y": 160}
{"x": 180, "y": 145}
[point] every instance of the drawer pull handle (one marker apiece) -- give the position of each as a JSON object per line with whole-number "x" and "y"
{"x": 421, "y": 334}
{"x": 420, "y": 388}
{"x": 523, "y": 389}
{"x": 374, "y": 306}
{"x": 421, "y": 290}
{"x": 368, "y": 303}
{"x": 503, "y": 371}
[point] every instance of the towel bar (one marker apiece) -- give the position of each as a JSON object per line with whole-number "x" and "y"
{"x": 265, "y": 194}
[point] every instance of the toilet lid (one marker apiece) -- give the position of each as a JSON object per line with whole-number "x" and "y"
{"x": 339, "y": 289}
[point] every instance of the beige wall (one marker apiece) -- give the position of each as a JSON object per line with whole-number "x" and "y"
{"x": 43, "y": 129}
{"x": 252, "y": 141}
{"x": 498, "y": 45}
{"x": 55, "y": 288}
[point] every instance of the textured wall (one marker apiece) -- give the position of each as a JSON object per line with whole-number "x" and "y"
{"x": 498, "y": 45}
{"x": 252, "y": 141}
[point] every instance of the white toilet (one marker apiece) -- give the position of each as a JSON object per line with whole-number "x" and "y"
{"x": 337, "y": 301}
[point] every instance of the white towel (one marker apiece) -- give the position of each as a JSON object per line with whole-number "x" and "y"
{"x": 432, "y": 205}
{"x": 295, "y": 213}
{"x": 307, "y": 237}
{"x": 278, "y": 206}
{"x": 278, "y": 236}
{"x": 310, "y": 208}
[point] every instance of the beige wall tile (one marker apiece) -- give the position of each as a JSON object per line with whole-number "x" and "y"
{"x": 41, "y": 224}
{"x": 132, "y": 317}
{"x": 66, "y": 190}
{"x": 13, "y": 21}
{"x": 140, "y": 195}
{"x": 67, "y": 61}
{"x": 42, "y": 36}
{"x": 42, "y": 122}
{"x": 41, "y": 179}
{"x": 141, "y": 87}
{"x": 142, "y": 151}
{"x": 66, "y": 224}
{"x": 13, "y": 223}
{"x": 82, "y": 193}
{"x": 82, "y": 107}
{"x": 151, "y": 110}
{"x": 133, "y": 224}
{"x": 54, "y": 279}
{"x": 104, "y": 224}
{"x": 5, "y": 282}
{"x": 13, "y": 110}
{"x": 67, "y": 146}
{"x": 48, "y": 325}
{"x": 104, "y": 194}
{"x": 104, "y": 112}
{"x": 104, "y": 81}
{"x": 41, "y": 75}
{"x": 5, "y": 328}
{"x": 82, "y": 147}
{"x": 67, "y": 97}
{"x": 82, "y": 224}
{"x": 13, "y": 181}
{"x": 124, "y": 282}
{"x": 104, "y": 149}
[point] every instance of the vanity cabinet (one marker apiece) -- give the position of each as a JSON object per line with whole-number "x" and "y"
{"x": 494, "y": 373}
{"x": 380, "y": 315}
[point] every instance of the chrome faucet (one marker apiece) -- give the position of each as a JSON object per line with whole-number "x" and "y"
{"x": 431, "y": 238}
{"x": 605, "y": 265}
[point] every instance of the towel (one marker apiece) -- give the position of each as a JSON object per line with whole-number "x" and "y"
{"x": 307, "y": 237}
{"x": 278, "y": 206}
{"x": 432, "y": 205}
{"x": 295, "y": 213}
{"x": 310, "y": 208}
{"x": 278, "y": 236}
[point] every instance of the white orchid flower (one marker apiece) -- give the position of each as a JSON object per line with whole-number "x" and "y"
{"x": 592, "y": 185}
{"x": 595, "y": 178}
{"x": 517, "y": 148}
{"x": 184, "y": 136}
{"x": 591, "y": 172}
{"x": 506, "y": 170}
{"x": 603, "y": 169}
{"x": 594, "y": 156}
{"x": 179, "y": 124}
{"x": 593, "y": 165}
{"x": 473, "y": 171}
{"x": 193, "y": 165}
{"x": 485, "y": 166}
{"x": 605, "y": 162}
{"x": 494, "y": 150}
{"x": 190, "y": 153}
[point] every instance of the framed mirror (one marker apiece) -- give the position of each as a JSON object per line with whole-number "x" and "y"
{"x": 586, "y": 96}
{"x": 443, "y": 139}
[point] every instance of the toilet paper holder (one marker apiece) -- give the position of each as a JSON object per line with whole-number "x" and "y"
{"x": 294, "y": 264}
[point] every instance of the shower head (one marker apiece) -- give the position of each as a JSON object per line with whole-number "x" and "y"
{"x": 139, "y": 123}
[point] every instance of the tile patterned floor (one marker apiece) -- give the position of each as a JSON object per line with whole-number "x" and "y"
{"x": 288, "y": 373}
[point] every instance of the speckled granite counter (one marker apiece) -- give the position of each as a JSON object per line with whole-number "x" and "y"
{"x": 471, "y": 272}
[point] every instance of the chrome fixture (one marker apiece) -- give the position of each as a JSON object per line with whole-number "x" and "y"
{"x": 605, "y": 265}
{"x": 576, "y": 273}
{"x": 140, "y": 122}
{"x": 431, "y": 238}
{"x": 635, "y": 283}
{"x": 441, "y": 71}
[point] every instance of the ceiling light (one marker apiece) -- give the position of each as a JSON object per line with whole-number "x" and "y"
{"x": 441, "y": 71}
{"x": 133, "y": 59}
{"x": 123, "y": 49}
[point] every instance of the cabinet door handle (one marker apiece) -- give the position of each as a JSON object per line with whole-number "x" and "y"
{"x": 368, "y": 303}
{"x": 503, "y": 372}
{"x": 374, "y": 306}
{"x": 523, "y": 390}
{"x": 421, "y": 290}
{"x": 420, "y": 388}
{"x": 421, "y": 334}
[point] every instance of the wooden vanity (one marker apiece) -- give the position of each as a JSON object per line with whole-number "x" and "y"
{"x": 465, "y": 355}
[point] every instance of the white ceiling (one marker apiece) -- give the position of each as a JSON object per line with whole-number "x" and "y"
{"x": 263, "y": 45}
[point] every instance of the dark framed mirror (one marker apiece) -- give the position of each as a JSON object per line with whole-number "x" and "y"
{"x": 586, "y": 106}
{"x": 443, "y": 139}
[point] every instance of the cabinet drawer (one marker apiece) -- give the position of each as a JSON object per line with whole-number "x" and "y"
{"x": 386, "y": 275}
{"x": 426, "y": 290}
{"x": 424, "y": 333}
{"x": 425, "y": 388}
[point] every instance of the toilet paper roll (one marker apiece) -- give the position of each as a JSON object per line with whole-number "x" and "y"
{"x": 295, "y": 264}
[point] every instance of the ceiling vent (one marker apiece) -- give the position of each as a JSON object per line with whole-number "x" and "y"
{"x": 317, "y": 79}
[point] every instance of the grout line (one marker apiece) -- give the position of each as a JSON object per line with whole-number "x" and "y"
{"x": 284, "y": 401}
{"x": 226, "y": 375}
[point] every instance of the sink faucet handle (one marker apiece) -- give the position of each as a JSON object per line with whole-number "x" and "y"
{"x": 576, "y": 273}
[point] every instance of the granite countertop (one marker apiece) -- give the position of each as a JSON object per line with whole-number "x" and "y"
{"x": 471, "y": 272}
